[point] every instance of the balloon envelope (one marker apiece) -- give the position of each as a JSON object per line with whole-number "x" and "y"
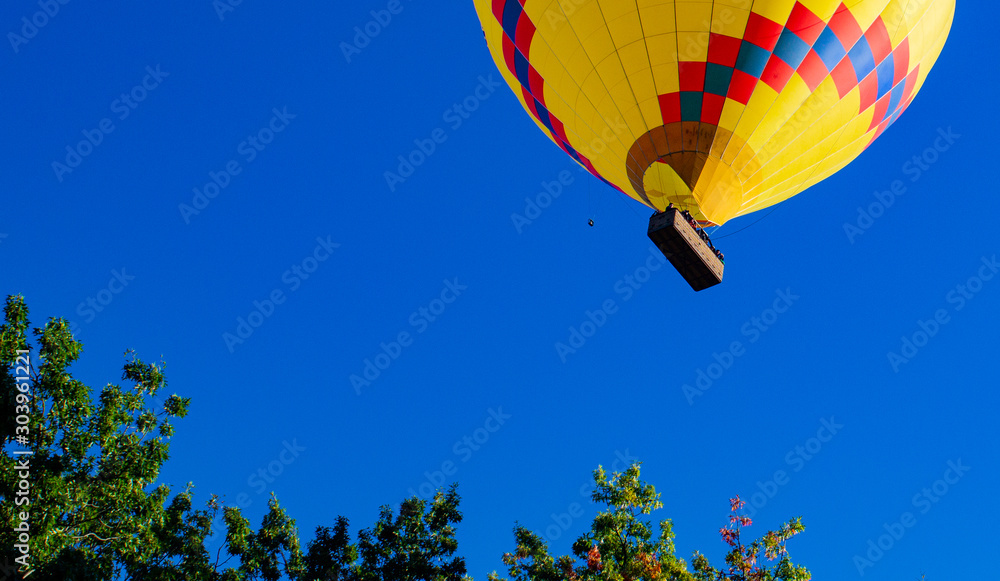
{"x": 721, "y": 107}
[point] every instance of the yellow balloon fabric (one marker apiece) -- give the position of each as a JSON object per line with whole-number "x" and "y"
{"x": 722, "y": 107}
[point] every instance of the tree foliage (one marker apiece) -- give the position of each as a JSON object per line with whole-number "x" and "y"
{"x": 620, "y": 545}
{"x": 91, "y": 465}
{"x": 94, "y": 511}
{"x": 418, "y": 543}
{"x": 744, "y": 560}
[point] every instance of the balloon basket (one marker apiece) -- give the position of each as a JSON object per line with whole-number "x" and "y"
{"x": 685, "y": 249}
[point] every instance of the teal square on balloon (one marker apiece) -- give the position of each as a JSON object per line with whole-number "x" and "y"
{"x": 690, "y": 106}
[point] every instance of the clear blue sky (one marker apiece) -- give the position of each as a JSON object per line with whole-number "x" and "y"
{"x": 214, "y": 91}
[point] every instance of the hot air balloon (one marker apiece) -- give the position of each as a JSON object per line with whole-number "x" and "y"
{"x": 717, "y": 108}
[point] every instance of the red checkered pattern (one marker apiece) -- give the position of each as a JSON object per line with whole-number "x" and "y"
{"x": 519, "y": 32}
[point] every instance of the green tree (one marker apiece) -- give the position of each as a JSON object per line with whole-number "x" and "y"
{"x": 331, "y": 556}
{"x": 743, "y": 560}
{"x": 93, "y": 511}
{"x": 417, "y": 544}
{"x": 620, "y": 545}
{"x": 91, "y": 463}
